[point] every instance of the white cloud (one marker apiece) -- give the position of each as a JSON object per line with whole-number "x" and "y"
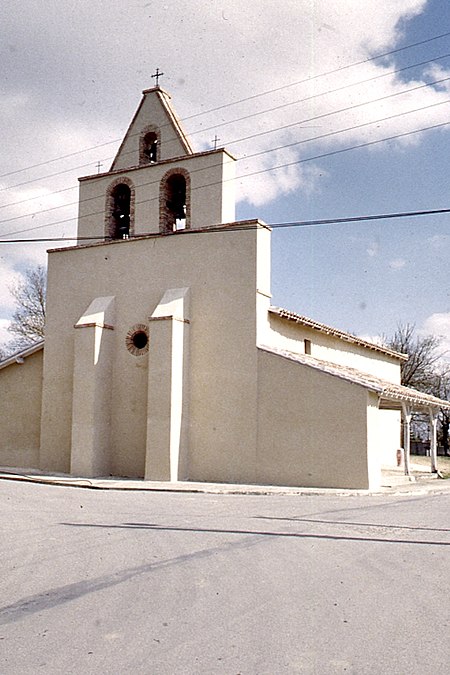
{"x": 4, "y": 335}
{"x": 373, "y": 249}
{"x": 439, "y": 241}
{"x": 7, "y": 277}
{"x": 373, "y": 339}
{"x": 223, "y": 53}
{"x": 397, "y": 264}
{"x": 74, "y": 82}
{"x": 438, "y": 324}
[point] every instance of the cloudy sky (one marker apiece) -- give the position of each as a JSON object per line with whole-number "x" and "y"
{"x": 290, "y": 88}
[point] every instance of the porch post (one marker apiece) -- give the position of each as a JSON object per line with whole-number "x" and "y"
{"x": 433, "y": 445}
{"x": 406, "y": 435}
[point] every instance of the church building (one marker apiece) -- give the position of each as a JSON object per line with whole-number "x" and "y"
{"x": 164, "y": 358}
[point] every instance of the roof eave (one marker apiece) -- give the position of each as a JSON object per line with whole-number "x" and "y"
{"x": 20, "y": 356}
{"x": 335, "y": 332}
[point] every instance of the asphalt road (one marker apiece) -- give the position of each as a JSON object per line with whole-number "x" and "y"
{"x": 117, "y": 582}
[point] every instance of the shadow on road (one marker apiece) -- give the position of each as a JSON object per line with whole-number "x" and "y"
{"x": 346, "y": 522}
{"x": 70, "y": 592}
{"x": 261, "y": 533}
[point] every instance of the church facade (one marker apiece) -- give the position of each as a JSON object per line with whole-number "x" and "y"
{"x": 164, "y": 358}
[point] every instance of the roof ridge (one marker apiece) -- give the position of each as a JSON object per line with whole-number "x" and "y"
{"x": 336, "y": 332}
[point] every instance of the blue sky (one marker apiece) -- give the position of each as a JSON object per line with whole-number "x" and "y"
{"x": 73, "y": 83}
{"x": 368, "y": 277}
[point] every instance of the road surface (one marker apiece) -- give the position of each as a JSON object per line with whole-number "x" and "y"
{"x": 152, "y": 583}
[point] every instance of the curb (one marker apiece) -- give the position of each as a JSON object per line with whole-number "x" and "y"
{"x": 422, "y": 486}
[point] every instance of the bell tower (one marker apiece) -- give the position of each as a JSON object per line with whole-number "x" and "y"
{"x": 156, "y": 183}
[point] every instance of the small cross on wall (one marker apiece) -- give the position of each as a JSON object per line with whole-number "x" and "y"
{"x": 215, "y": 140}
{"x": 157, "y": 75}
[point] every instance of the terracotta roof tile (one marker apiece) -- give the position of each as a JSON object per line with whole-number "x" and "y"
{"x": 335, "y": 332}
{"x": 387, "y": 391}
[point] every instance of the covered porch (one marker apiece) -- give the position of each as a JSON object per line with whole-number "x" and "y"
{"x": 408, "y": 401}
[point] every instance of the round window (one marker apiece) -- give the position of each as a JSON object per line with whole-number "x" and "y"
{"x": 137, "y": 340}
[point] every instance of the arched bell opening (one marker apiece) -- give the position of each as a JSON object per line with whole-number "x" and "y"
{"x": 175, "y": 201}
{"x": 119, "y": 211}
{"x": 149, "y": 148}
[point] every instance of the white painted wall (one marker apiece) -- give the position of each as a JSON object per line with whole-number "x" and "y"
{"x": 285, "y": 334}
{"x": 220, "y": 270}
{"x": 20, "y": 406}
{"x": 312, "y": 427}
{"x": 155, "y": 109}
{"x": 212, "y": 193}
{"x": 390, "y": 425}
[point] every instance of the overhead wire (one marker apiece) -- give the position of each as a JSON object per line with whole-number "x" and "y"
{"x": 252, "y": 97}
{"x": 253, "y": 173}
{"x": 319, "y": 94}
{"x": 337, "y": 112}
{"x": 245, "y": 117}
{"x": 239, "y": 140}
{"x": 245, "y": 225}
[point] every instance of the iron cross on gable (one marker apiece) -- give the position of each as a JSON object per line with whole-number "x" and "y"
{"x": 157, "y": 75}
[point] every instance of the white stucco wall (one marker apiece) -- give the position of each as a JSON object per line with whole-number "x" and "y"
{"x": 154, "y": 110}
{"x": 284, "y": 334}
{"x": 220, "y": 269}
{"x": 211, "y": 193}
{"x": 20, "y": 406}
{"x": 376, "y": 438}
{"x": 390, "y": 440}
{"x": 312, "y": 427}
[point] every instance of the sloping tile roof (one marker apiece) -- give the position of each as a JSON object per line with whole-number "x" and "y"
{"x": 335, "y": 332}
{"x": 387, "y": 391}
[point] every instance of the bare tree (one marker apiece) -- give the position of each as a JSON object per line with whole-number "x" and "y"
{"x": 420, "y": 368}
{"x": 441, "y": 388}
{"x": 28, "y": 320}
{"x": 426, "y": 371}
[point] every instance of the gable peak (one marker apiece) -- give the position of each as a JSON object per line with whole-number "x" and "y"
{"x": 154, "y": 134}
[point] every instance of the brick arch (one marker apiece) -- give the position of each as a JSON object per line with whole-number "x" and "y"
{"x": 151, "y": 128}
{"x": 109, "y": 205}
{"x": 165, "y": 220}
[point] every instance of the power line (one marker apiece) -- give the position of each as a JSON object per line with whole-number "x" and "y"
{"x": 359, "y": 219}
{"x": 49, "y": 175}
{"x": 253, "y": 173}
{"x": 261, "y": 112}
{"x": 251, "y": 226}
{"x": 318, "y": 95}
{"x": 254, "y": 96}
{"x": 239, "y": 140}
{"x": 324, "y": 74}
{"x": 325, "y": 93}
{"x": 235, "y": 141}
{"x": 352, "y": 128}
{"x": 340, "y": 110}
